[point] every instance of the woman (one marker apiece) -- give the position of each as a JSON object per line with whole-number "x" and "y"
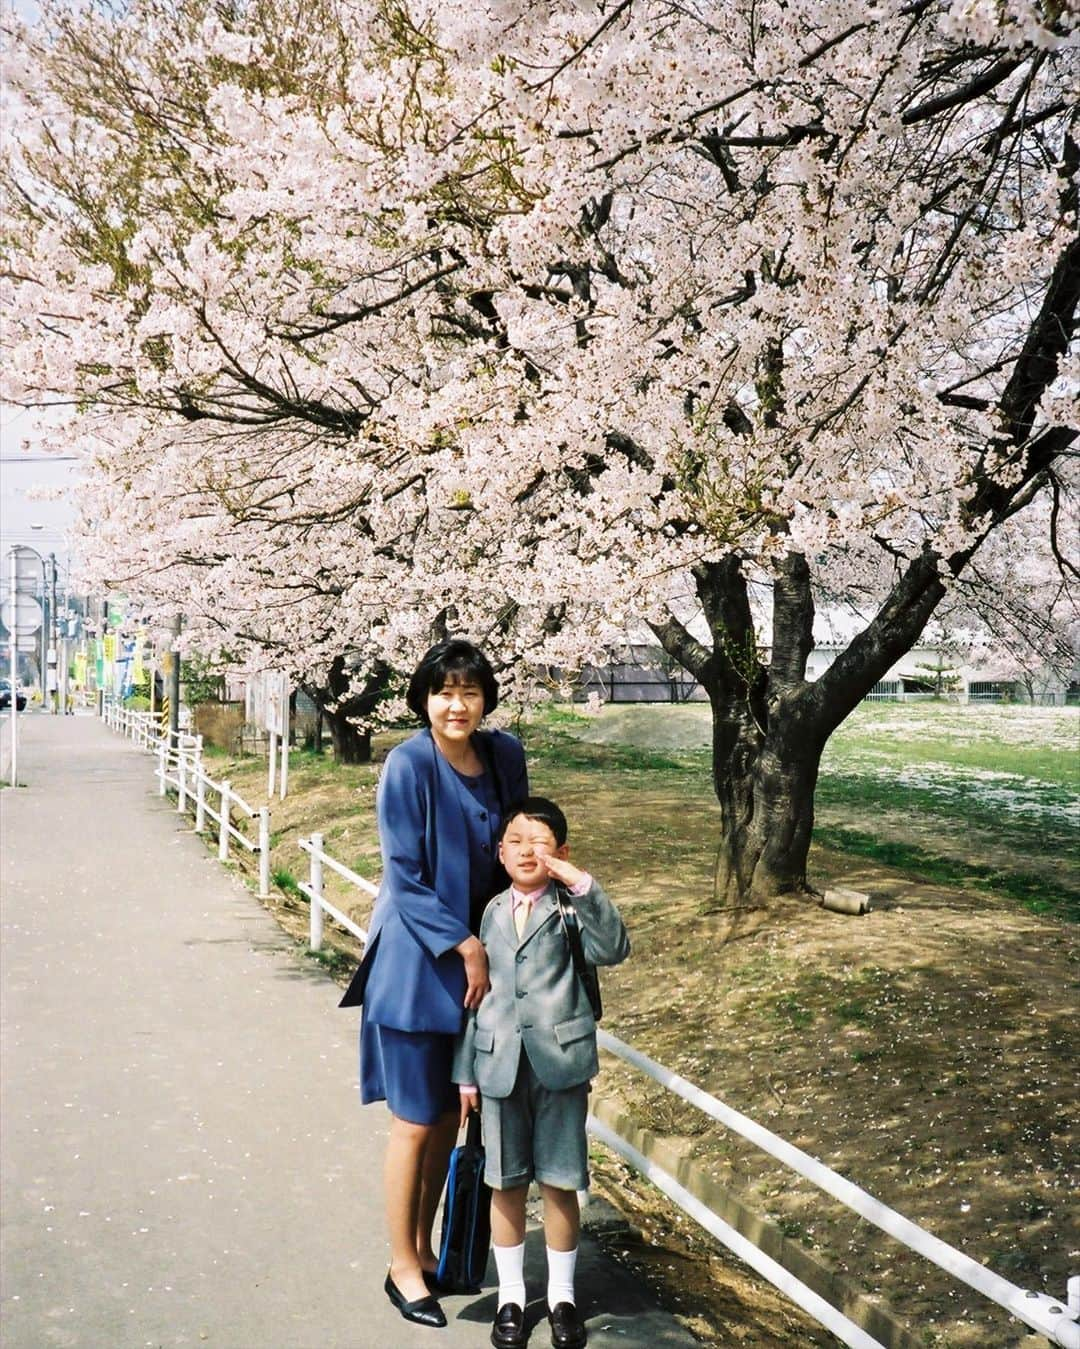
{"x": 440, "y": 802}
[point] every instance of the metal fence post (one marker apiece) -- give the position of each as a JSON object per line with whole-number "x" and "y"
{"x": 200, "y": 801}
{"x": 315, "y": 884}
{"x": 264, "y": 852}
{"x": 163, "y": 759}
{"x": 223, "y": 833}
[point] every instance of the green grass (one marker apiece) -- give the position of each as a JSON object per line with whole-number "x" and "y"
{"x": 1039, "y": 894}
{"x": 1056, "y": 766}
{"x": 285, "y": 880}
{"x": 549, "y": 745}
{"x": 332, "y": 960}
{"x": 985, "y": 740}
{"x": 949, "y": 821}
{"x": 968, "y": 772}
{"x": 1043, "y": 821}
{"x": 788, "y": 1008}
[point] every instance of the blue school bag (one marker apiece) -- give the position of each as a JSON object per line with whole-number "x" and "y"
{"x": 466, "y": 1226}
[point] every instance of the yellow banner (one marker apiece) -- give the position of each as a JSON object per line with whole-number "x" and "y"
{"x": 137, "y": 672}
{"x": 110, "y": 646}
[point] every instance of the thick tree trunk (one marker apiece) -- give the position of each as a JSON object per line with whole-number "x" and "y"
{"x": 765, "y": 786}
{"x": 770, "y": 724}
{"x": 767, "y": 740}
{"x": 351, "y": 744}
{"x": 347, "y": 706}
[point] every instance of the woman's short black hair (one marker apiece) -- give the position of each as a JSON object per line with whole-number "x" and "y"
{"x": 538, "y": 808}
{"x": 451, "y": 661}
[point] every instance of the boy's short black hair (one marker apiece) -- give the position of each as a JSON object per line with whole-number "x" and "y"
{"x": 456, "y": 656}
{"x": 537, "y": 808}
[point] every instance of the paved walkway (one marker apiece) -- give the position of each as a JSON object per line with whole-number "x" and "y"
{"x": 184, "y": 1158}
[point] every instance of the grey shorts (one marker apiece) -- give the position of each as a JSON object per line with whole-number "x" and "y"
{"x": 536, "y": 1134}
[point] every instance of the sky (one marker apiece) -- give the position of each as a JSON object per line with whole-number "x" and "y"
{"x": 23, "y": 473}
{"x": 31, "y": 512}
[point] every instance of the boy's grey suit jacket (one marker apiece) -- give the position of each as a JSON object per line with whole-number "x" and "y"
{"x": 537, "y": 1003}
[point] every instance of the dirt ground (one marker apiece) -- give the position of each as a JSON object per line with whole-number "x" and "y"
{"x": 925, "y": 1050}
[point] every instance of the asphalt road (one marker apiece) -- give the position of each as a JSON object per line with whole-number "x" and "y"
{"x": 183, "y": 1156}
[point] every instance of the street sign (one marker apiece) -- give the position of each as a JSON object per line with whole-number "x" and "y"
{"x": 29, "y": 573}
{"x": 27, "y": 615}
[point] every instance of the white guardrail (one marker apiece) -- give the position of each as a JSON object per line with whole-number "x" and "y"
{"x": 180, "y": 768}
{"x": 1058, "y": 1320}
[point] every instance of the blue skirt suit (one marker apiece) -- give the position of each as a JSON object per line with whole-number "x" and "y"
{"x": 438, "y": 831}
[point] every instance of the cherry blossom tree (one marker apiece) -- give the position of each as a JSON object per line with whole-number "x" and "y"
{"x": 550, "y": 321}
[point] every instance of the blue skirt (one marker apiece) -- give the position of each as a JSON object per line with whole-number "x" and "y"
{"x": 409, "y": 1070}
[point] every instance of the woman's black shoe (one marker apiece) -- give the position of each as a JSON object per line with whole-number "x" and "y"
{"x": 425, "y": 1311}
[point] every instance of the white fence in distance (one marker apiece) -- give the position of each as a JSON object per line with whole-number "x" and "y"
{"x": 1058, "y": 1320}
{"x": 180, "y": 767}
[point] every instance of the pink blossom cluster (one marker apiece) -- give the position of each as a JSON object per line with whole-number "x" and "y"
{"x": 509, "y": 316}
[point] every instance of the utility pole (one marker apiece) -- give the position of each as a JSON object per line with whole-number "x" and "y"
{"x": 43, "y": 657}
{"x": 13, "y": 771}
{"x": 174, "y": 684}
{"x": 54, "y": 652}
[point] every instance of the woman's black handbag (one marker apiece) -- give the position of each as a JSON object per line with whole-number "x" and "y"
{"x": 466, "y": 1226}
{"x": 590, "y": 980}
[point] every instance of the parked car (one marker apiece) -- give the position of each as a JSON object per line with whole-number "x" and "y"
{"x": 5, "y": 695}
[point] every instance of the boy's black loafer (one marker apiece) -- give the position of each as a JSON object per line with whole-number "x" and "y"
{"x": 567, "y": 1327}
{"x": 508, "y": 1330}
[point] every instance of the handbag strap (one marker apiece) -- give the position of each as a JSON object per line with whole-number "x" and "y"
{"x": 568, "y": 915}
{"x": 585, "y": 972}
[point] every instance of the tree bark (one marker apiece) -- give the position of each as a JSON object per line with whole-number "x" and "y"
{"x": 766, "y": 796}
{"x": 766, "y": 740}
{"x": 347, "y": 710}
{"x": 351, "y": 744}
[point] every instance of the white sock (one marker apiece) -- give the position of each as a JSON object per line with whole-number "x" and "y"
{"x": 510, "y": 1263}
{"x": 560, "y": 1277}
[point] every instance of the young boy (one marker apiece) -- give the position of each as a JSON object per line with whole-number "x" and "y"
{"x": 529, "y": 1053}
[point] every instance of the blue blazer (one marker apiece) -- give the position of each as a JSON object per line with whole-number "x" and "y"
{"x": 411, "y": 978}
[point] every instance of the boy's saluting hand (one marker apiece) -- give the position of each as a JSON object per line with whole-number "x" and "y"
{"x": 563, "y": 870}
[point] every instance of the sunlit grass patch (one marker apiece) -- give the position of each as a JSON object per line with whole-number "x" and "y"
{"x": 1037, "y": 892}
